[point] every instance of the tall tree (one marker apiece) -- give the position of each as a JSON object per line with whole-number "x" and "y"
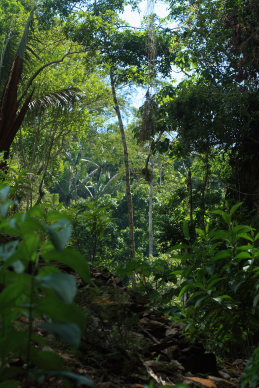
{"x": 218, "y": 42}
{"x": 125, "y": 58}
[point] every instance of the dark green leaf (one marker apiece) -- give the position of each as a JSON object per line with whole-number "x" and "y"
{"x": 61, "y": 312}
{"x": 47, "y": 360}
{"x": 72, "y": 259}
{"x": 68, "y": 332}
{"x": 235, "y": 208}
{"x": 10, "y": 384}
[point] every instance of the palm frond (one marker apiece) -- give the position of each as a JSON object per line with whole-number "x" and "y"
{"x": 64, "y": 98}
{"x": 11, "y": 111}
{"x": 7, "y": 56}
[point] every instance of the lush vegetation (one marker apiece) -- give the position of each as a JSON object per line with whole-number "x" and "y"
{"x": 165, "y": 195}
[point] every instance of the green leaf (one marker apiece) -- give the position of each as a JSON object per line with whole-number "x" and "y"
{"x": 200, "y": 232}
{"x": 256, "y": 300}
{"x": 214, "y": 282}
{"x": 186, "y": 231}
{"x": 237, "y": 285}
{"x": 10, "y": 384}
{"x": 4, "y": 207}
{"x": 7, "y": 250}
{"x": 225, "y": 254}
{"x": 243, "y": 255}
{"x": 242, "y": 228}
{"x": 4, "y": 192}
{"x": 72, "y": 259}
{"x": 186, "y": 288}
{"x": 200, "y": 300}
{"x": 226, "y": 217}
{"x": 47, "y": 360}
{"x": 235, "y": 208}
{"x": 68, "y": 332}
{"x": 220, "y": 299}
{"x": 53, "y": 307}
{"x": 63, "y": 284}
{"x": 10, "y": 294}
{"x": 60, "y": 233}
{"x": 246, "y": 236}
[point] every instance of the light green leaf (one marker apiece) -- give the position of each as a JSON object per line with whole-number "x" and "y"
{"x": 4, "y": 207}
{"x": 200, "y": 232}
{"x": 4, "y": 193}
{"x": 186, "y": 231}
{"x": 68, "y": 332}
{"x": 7, "y": 250}
{"x": 60, "y": 233}
{"x": 246, "y": 236}
{"x": 63, "y": 284}
{"x": 243, "y": 255}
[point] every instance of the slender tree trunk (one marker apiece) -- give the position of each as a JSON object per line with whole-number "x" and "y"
{"x": 204, "y": 189}
{"x": 127, "y": 167}
{"x": 150, "y": 217}
{"x": 189, "y": 184}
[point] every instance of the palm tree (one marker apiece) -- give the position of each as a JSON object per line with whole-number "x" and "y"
{"x": 14, "y": 107}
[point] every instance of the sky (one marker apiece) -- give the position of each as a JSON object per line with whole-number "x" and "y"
{"x": 134, "y": 18}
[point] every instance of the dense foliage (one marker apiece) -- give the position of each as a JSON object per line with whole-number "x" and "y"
{"x": 137, "y": 191}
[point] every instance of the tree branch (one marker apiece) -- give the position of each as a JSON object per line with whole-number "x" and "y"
{"x": 44, "y": 67}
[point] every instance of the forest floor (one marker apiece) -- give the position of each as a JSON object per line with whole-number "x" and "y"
{"x": 128, "y": 345}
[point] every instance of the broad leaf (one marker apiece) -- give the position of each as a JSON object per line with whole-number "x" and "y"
{"x": 72, "y": 259}
{"x": 53, "y": 307}
{"x": 235, "y": 208}
{"x": 68, "y": 332}
{"x": 60, "y": 233}
{"x": 4, "y": 193}
{"x": 243, "y": 255}
{"x": 47, "y": 360}
{"x": 63, "y": 284}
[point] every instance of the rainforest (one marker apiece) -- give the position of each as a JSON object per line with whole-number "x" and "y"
{"x": 129, "y": 193}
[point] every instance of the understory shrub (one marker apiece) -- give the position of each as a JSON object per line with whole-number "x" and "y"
{"x": 36, "y": 296}
{"x": 220, "y": 284}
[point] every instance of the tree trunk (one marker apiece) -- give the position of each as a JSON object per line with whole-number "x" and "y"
{"x": 150, "y": 217}
{"x": 204, "y": 189}
{"x": 127, "y": 167}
